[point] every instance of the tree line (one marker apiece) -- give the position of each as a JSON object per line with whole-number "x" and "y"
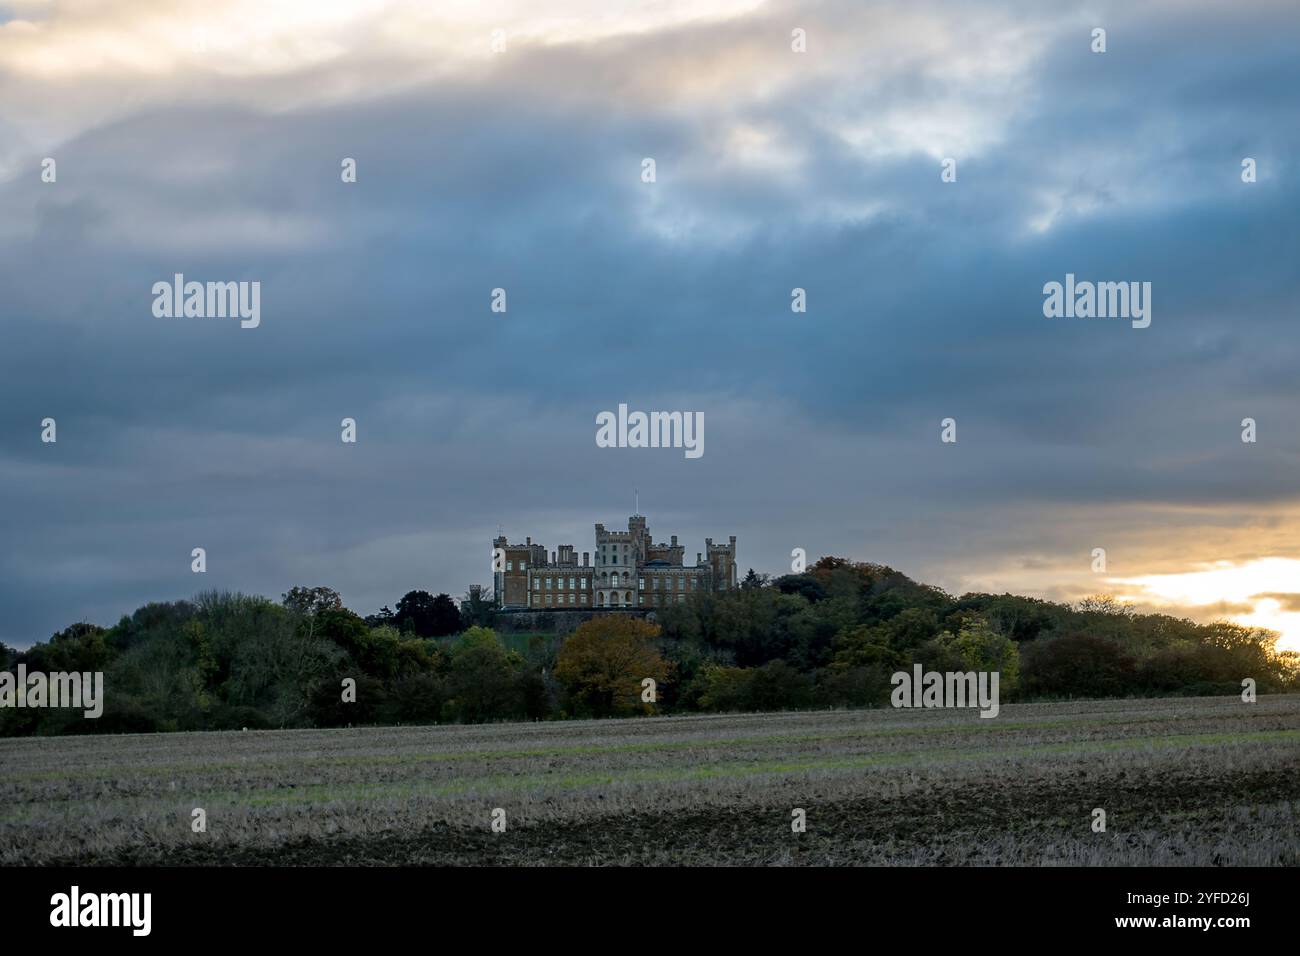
{"x": 830, "y": 637}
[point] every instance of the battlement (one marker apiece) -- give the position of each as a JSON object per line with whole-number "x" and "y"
{"x": 644, "y": 575}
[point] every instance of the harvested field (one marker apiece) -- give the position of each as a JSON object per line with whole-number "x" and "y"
{"x": 1194, "y": 781}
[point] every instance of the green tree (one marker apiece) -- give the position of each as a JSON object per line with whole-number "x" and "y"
{"x": 778, "y": 686}
{"x": 80, "y": 647}
{"x": 977, "y": 647}
{"x": 720, "y": 689}
{"x": 419, "y": 612}
{"x": 1077, "y": 665}
{"x": 311, "y": 601}
{"x": 862, "y": 646}
{"x": 446, "y": 617}
{"x": 483, "y": 679}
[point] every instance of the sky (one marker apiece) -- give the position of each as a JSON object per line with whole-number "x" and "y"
{"x": 497, "y": 146}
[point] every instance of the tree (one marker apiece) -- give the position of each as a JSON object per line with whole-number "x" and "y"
{"x": 421, "y": 613}
{"x": 753, "y": 581}
{"x": 446, "y": 616}
{"x": 1104, "y": 604}
{"x": 1078, "y": 665}
{"x": 273, "y": 661}
{"x": 414, "y": 613}
{"x": 721, "y": 689}
{"x": 863, "y": 646}
{"x": 911, "y": 628}
{"x": 778, "y": 686}
{"x": 803, "y": 584}
{"x": 604, "y": 661}
{"x": 385, "y": 618}
{"x": 79, "y": 647}
{"x": 977, "y": 647}
{"x": 311, "y": 601}
{"x": 855, "y": 686}
{"x": 483, "y": 680}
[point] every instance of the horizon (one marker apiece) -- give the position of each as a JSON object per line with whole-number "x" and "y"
{"x": 1208, "y": 616}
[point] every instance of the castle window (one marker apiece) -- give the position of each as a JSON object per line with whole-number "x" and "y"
{"x": 571, "y": 584}
{"x": 584, "y": 583}
{"x": 570, "y": 598}
{"x": 548, "y": 600}
{"x": 584, "y": 597}
{"x": 640, "y": 584}
{"x": 628, "y": 598}
{"x": 654, "y": 583}
{"x": 548, "y": 584}
{"x": 523, "y": 565}
{"x": 537, "y": 584}
{"x": 510, "y": 565}
{"x": 681, "y": 584}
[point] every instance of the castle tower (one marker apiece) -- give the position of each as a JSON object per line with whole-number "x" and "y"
{"x": 722, "y": 561}
{"x": 636, "y": 527}
{"x": 615, "y": 568}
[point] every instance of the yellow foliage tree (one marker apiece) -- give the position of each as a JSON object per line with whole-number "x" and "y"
{"x": 603, "y": 663}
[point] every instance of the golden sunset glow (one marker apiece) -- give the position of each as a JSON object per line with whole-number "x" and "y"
{"x": 1261, "y": 593}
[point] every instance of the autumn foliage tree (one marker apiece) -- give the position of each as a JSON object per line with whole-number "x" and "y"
{"x": 603, "y": 663}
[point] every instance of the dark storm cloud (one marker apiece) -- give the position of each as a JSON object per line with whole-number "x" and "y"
{"x": 821, "y": 429}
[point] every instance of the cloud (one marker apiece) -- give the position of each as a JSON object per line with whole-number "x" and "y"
{"x": 775, "y": 170}
{"x": 1289, "y": 601}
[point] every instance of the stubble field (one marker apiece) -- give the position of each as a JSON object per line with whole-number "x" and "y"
{"x": 1195, "y": 781}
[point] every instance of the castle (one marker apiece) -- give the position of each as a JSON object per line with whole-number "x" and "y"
{"x": 631, "y": 570}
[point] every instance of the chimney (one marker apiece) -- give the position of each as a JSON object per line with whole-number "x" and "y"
{"x": 528, "y": 541}
{"x": 699, "y": 557}
{"x": 674, "y": 541}
{"x": 585, "y": 555}
{"x": 552, "y": 557}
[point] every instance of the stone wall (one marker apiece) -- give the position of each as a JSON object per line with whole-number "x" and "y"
{"x": 557, "y": 622}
